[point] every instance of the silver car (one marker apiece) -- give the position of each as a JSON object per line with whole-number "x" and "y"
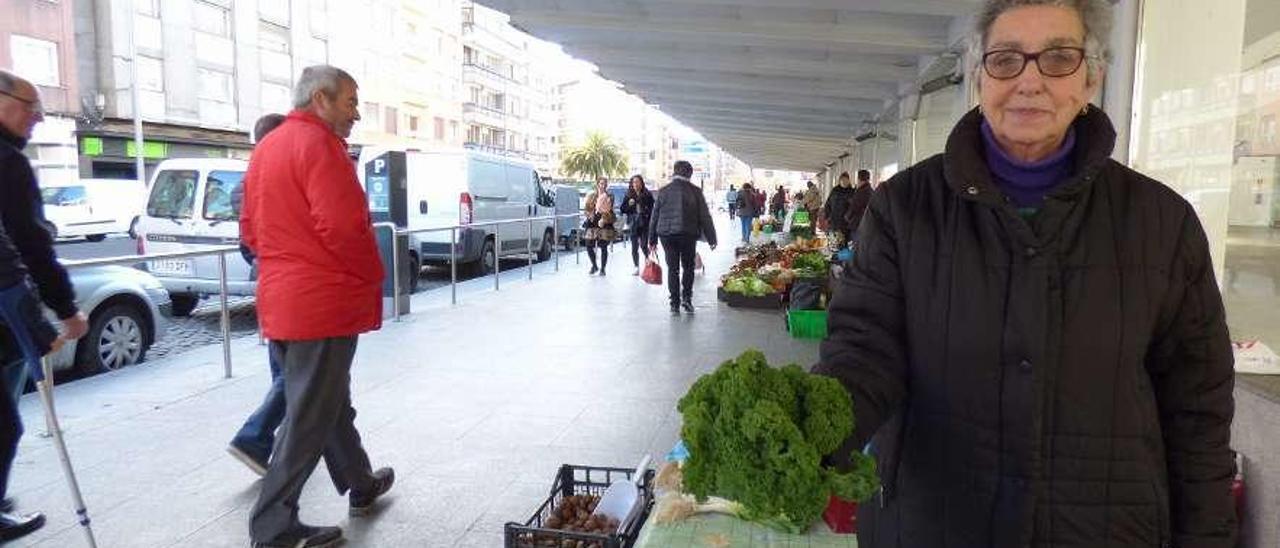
{"x": 128, "y": 311}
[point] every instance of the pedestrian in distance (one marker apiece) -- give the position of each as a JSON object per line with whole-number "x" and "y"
{"x": 638, "y": 207}
{"x": 857, "y": 206}
{"x": 1032, "y": 333}
{"x": 837, "y": 206}
{"x": 600, "y": 221}
{"x": 748, "y": 210}
{"x": 680, "y": 218}
{"x": 319, "y": 287}
{"x": 254, "y": 441}
{"x": 29, "y": 266}
{"x": 731, "y": 201}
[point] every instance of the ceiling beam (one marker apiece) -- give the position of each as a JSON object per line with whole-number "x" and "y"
{"x": 844, "y": 89}
{"x": 918, "y": 7}
{"x": 763, "y": 62}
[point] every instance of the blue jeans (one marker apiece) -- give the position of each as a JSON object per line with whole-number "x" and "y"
{"x": 746, "y": 227}
{"x": 258, "y": 435}
{"x": 15, "y": 379}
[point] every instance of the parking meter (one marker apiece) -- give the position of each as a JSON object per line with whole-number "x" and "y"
{"x": 386, "y": 185}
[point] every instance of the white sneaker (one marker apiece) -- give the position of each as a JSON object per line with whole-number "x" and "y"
{"x": 636, "y": 273}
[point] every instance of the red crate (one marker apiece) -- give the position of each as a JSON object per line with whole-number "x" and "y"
{"x": 841, "y": 516}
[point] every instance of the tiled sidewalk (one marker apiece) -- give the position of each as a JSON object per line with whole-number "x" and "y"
{"x": 475, "y": 406}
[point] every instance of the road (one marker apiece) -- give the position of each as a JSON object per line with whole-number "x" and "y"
{"x": 203, "y": 327}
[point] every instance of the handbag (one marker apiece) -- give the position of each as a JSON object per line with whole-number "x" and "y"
{"x": 652, "y": 273}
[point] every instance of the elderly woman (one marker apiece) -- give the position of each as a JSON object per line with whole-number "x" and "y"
{"x": 599, "y": 224}
{"x": 1031, "y": 331}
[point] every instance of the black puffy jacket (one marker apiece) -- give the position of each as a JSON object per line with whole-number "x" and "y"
{"x": 681, "y": 210}
{"x": 1059, "y": 382}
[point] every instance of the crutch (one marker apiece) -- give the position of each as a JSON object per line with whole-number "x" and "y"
{"x": 42, "y": 371}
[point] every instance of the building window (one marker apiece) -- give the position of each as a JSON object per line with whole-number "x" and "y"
{"x": 275, "y": 48}
{"x": 439, "y": 128}
{"x": 36, "y": 60}
{"x": 150, "y": 73}
{"x": 276, "y": 98}
{"x": 413, "y": 125}
{"x": 275, "y": 11}
{"x": 213, "y": 19}
{"x": 453, "y": 130}
{"x": 150, "y": 8}
{"x": 373, "y": 114}
{"x": 215, "y": 85}
{"x": 393, "y": 121}
{"x": 319, "y": 17}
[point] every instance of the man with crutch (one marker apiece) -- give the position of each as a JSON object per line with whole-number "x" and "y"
{"x": 28, "y": 266}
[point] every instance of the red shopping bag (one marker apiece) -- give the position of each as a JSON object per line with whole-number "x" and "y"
{"x": 652, "y": 273}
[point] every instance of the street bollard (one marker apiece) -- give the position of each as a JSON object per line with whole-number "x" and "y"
{"x": 453, "y": 263}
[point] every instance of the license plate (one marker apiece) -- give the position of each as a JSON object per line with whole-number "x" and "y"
{"x": 170, "y": 266}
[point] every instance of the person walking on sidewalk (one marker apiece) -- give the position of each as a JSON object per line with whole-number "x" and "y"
{"x": 319, "y": 288}
{"x": 26, "y": 256}
{"x": 748, "y": 210}
{"x": 252, "y": 444}
{"x": 858, "y": 205}
{"x": 600, "y": 220}
{"x": 638, "y": 207}
{"x": 731, "y": 201}
{"x": 680, "y": 218}
{"x": 837, "y": 206}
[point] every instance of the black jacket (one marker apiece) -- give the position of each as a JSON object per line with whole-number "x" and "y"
{"x": 31, "y": 245}
{"x": 837, "y": 205}
{"x": 857, "y": 208}
{"x": 681, "y": 210}
{"x": 1064, "y": 381}
{"x": 638, "y": 214}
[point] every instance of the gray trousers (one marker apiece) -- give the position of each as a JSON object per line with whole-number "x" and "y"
{"x": 319, "y": 420}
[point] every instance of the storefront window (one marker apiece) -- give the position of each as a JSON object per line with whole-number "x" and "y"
{"x": 1205, "y": 116}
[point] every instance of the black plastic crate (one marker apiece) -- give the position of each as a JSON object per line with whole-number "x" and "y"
{"x": 579, "y": 480}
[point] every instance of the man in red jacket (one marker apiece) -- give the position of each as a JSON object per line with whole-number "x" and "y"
{"x": 319, "y": 288}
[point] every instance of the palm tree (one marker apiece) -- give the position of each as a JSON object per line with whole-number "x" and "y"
{"x": 596, "y": 158}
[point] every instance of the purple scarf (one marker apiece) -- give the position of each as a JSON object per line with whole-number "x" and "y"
{"x": 1026, "y": 184}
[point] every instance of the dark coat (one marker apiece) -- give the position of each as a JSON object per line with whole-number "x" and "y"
{"x": 681, "y": 210}
{"x": 748, "y": 204}
{"x": 1064, "y": 381}
{"x": 837, "y": 205}
{"x": 30, "y": 245}
{"x": 857, "y": 207}
{"x": 639, "y": 212}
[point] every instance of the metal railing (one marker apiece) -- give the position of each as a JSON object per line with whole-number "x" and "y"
{"x": 221, "y": 253}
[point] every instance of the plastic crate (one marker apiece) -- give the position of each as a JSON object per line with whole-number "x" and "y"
{"x": 807, "y": 324}
{"x": 579, "y": 480}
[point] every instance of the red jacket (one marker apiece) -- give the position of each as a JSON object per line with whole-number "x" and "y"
{"x": 307, "y": 220}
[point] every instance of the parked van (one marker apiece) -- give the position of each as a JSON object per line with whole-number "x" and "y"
{"x": 194, "y": 204}
{"x": 93, "y": 208}
{"x": 468, "y": 187}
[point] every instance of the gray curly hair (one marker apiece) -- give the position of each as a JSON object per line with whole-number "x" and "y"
{"x": 323, "y": 78}
{"x": 1097, "y": 16}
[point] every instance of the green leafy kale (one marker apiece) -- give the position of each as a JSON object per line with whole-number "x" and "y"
{"x": 757, "y": 435}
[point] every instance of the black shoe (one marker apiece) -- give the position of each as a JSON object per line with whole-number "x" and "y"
{"x": 688, "y": 307}
{"x": 361, "y": 503}
{"x": 675, "y": 310}
{"x": 247, "y": 458}
{"x": 15, "y": 526}
{"x": 6, "y": 506}
{"x": 593, "y": 271}
{"x": 305, "y": 536}
{"x": 602, "y": 272}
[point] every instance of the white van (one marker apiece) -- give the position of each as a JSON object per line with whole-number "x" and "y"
{"x": 468, "y": 187}
{"x": 93, "y": 208}
{"x": 195, "y": 204}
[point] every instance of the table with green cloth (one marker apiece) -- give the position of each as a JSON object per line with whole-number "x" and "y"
{"x": 722, "y": 531}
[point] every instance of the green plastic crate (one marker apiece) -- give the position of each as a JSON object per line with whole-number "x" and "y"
{"x": 801, "y": 218}
{"x": 807, "y": 324}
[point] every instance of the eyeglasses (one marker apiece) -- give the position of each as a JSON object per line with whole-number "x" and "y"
{"x": 1007, "y": 64}
{"x": 32, "y": 104}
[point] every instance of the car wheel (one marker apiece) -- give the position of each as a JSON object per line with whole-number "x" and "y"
{"x": 95, "y": 238}
{"x": 183, "y": 304}
{"x": 488, "y": 258}
{"x": 548, "y": 246}
{"x": 117, "y": 338}
{"x": 415, "y": 273}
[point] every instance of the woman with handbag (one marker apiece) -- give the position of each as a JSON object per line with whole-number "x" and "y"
{"x": 599, "y": 223}
{"x": 638, "y": 206}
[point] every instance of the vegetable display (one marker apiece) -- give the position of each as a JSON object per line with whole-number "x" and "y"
{"x": 757, "y": 435}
